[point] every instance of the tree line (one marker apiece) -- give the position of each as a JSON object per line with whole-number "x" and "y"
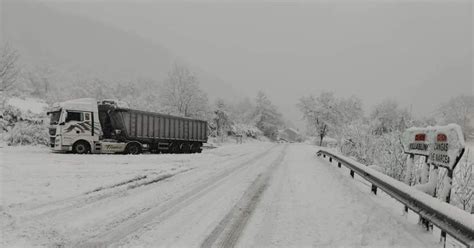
{"x": 179, "y": 93}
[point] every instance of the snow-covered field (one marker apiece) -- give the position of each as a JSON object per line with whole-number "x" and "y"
{"x": 249, "y": 195}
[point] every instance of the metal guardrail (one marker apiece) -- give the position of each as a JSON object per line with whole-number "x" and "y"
{"x": 441, "y": 218}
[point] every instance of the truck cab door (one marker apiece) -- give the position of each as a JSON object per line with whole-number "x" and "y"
{"x": 77, "y": 125}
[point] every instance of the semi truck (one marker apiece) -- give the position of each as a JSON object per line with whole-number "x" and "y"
{"x": 108, "y": 126}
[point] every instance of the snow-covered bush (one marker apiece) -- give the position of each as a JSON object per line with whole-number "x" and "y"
{"x": 389, "y": 154}
{"x": 463, "y": 183}
{"x": 10, "y": 115}
{"x": 27, "y": 133}
{"x": 20, "y": 126}
{"x": 358, "y": 143}
{"x": 384, "y": 150}
{"x": 247, "y": 130}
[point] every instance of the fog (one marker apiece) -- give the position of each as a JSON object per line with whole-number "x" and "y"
{"x": 418, "y": 53}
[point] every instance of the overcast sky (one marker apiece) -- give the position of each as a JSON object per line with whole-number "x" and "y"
{"x": 374, "y": 50}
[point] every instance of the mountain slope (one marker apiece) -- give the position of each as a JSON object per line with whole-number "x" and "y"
{"x": 77, "y": 46}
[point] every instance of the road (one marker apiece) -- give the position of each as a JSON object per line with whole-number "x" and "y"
{"x": 271, "y": 195}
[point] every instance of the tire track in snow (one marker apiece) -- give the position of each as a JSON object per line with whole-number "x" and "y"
{"x": 227, "y": 232}
{"x": 88, "y": 198}
{"x": 146, "y": 217}
{"x": 98, "y": 194}
{"x": 137, "y": 178}
{"x": 95, "y": 194}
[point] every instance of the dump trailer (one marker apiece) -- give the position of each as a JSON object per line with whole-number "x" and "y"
{"x": 108, "y": 126}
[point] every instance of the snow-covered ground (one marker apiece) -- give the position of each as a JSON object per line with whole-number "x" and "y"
{"x": 470, "y": 147}
{"x": 33, "y": 175}
{"x": 250, "y": 195}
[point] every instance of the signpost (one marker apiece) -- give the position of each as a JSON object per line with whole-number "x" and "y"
{"x": 442, "y": 146}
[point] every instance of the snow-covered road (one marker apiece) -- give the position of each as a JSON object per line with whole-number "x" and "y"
{"x": 250, "y": 195}
{"x": 311, "y": 203}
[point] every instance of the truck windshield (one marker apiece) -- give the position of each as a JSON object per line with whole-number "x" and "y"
{"x": 54, "y": 119}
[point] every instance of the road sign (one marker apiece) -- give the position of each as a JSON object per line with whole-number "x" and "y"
{"x": 415, "y": 141}
{"x": 441, "y": 144}
{"x": 448, "y": 143}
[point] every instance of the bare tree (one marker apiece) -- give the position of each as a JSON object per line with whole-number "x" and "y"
{"x": 221, "y": 118}
{"x": 321, "y": 113}
{"x": 350, "y": 109}
{"x": 387, "y": 117}
{"x": 266, "y": 116}
{"x": 181, "y": 94}
{"x": 8, "y": 67}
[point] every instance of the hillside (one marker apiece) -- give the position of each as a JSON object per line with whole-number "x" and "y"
{"x": 78, "y": 47}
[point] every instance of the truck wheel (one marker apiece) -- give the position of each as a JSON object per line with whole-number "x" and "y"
{"x": 175, "y": 148}
{"x": 133, "y": 148}
{"x": 196, "y": 148}
{"x": 81, "y": 147}
{"x": 185, "y": 148}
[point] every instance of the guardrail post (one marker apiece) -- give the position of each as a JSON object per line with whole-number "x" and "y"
{"x": 447, "y": 199}
{"x": 339, "y": 164}
{"x": 410, "y": 164}
{"x": 433, "y": 180}
{"x": 425, "y": 171}
{"x": 374, "y": 189}
{"x": 352, "y": 173}
{"x": 443, "y": 238}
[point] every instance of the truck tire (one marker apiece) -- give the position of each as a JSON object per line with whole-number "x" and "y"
{"x": 186, "y": 148}
{"x": 175, "y": 148}
{"x": 133, "y": 148}
{"x": 81, "y": 147}
{"x": 196, "y": 148}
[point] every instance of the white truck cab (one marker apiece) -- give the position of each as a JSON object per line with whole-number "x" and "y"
{"x": 75, "y": 126}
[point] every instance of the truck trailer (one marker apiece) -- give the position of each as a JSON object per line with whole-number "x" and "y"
{"x": 108, "y": 126}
